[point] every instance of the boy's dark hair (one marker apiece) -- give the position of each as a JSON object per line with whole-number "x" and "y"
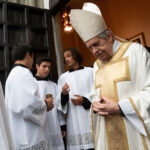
{"x": 19, "y": 52}
{"x": 39, "y": 60}
{"x": 76, "y": 55}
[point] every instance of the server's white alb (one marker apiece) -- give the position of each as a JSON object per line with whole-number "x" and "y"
{"x": 26, "y": 111}
{"x": 54, "y": 118}
{"x": 79, "y": 135}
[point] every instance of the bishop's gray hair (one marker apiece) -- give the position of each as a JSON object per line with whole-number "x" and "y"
{"x": 104, "y": 34}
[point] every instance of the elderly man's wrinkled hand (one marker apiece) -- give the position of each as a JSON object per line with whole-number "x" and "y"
{"x": 106, "y": 107}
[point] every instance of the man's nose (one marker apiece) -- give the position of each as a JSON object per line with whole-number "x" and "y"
{"x": 66, "y": 59}
{"x": 47, "y": 68}
{"x": 95, "y": 49}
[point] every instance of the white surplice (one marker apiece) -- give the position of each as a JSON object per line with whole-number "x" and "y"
{"x": 54, "y": 118}
{"x": 5, "y": 133}
{"x": 134, "y": 99}
{"x": 79, "y": 134}
{"x": 26, "y": 111}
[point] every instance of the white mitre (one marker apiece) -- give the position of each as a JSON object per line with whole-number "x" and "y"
{"x": 88, "y": 21}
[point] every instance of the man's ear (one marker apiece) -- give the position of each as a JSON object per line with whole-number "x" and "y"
{"x": 37, "y": 66}
{"x": 110, "y": 35}
{"x": 27, "y": 55}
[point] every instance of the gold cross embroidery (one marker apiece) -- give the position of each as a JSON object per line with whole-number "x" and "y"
{"x": 107, "y": 76}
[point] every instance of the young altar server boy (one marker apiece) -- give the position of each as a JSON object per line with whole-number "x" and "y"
{"x": 74, "y": 90}
{"x": 54, "y": 118}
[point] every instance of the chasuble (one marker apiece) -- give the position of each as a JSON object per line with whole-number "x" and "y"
{"x": 125, "y": 78}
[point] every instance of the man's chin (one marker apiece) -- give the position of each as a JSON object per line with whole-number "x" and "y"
{"x": 68, "y": 64}
{"x": 104, "y": 59}
{"x": 45, "y": 76}
{"x": 101, "y": 58}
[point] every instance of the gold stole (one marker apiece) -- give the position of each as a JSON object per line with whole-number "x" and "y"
{"x": 108, "y": 74}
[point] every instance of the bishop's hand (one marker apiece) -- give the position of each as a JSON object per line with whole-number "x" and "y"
{"x": 106, "y": 107}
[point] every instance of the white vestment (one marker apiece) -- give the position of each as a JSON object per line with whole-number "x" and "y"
{"x": 131, "y": 74}
{"x": 54, "y": 118}
{"x": 5, "y": 134}
{"x": 26, "y": 111}
{"x": 78, "y": 119}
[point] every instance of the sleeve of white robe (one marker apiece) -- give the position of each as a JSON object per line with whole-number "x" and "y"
{"x": 27, "y": 102}
{"x": 141, "y": 101}
{"x": 131, "y": 115}
{"x": 142, "y": 67}
{"x": 61, "y": 115}
{"x": 61, "y": 83}
{"x": 61, "y": 118}
{"x": 91, "y": 84}
{"x": 6, "y": 142}
{"x": 94, "y": 95}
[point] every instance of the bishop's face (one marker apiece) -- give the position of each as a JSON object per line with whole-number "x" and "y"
{"x": 44, "y": 69}
{"x": 101, "y": 48}
{"x": 69, "y": 60}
